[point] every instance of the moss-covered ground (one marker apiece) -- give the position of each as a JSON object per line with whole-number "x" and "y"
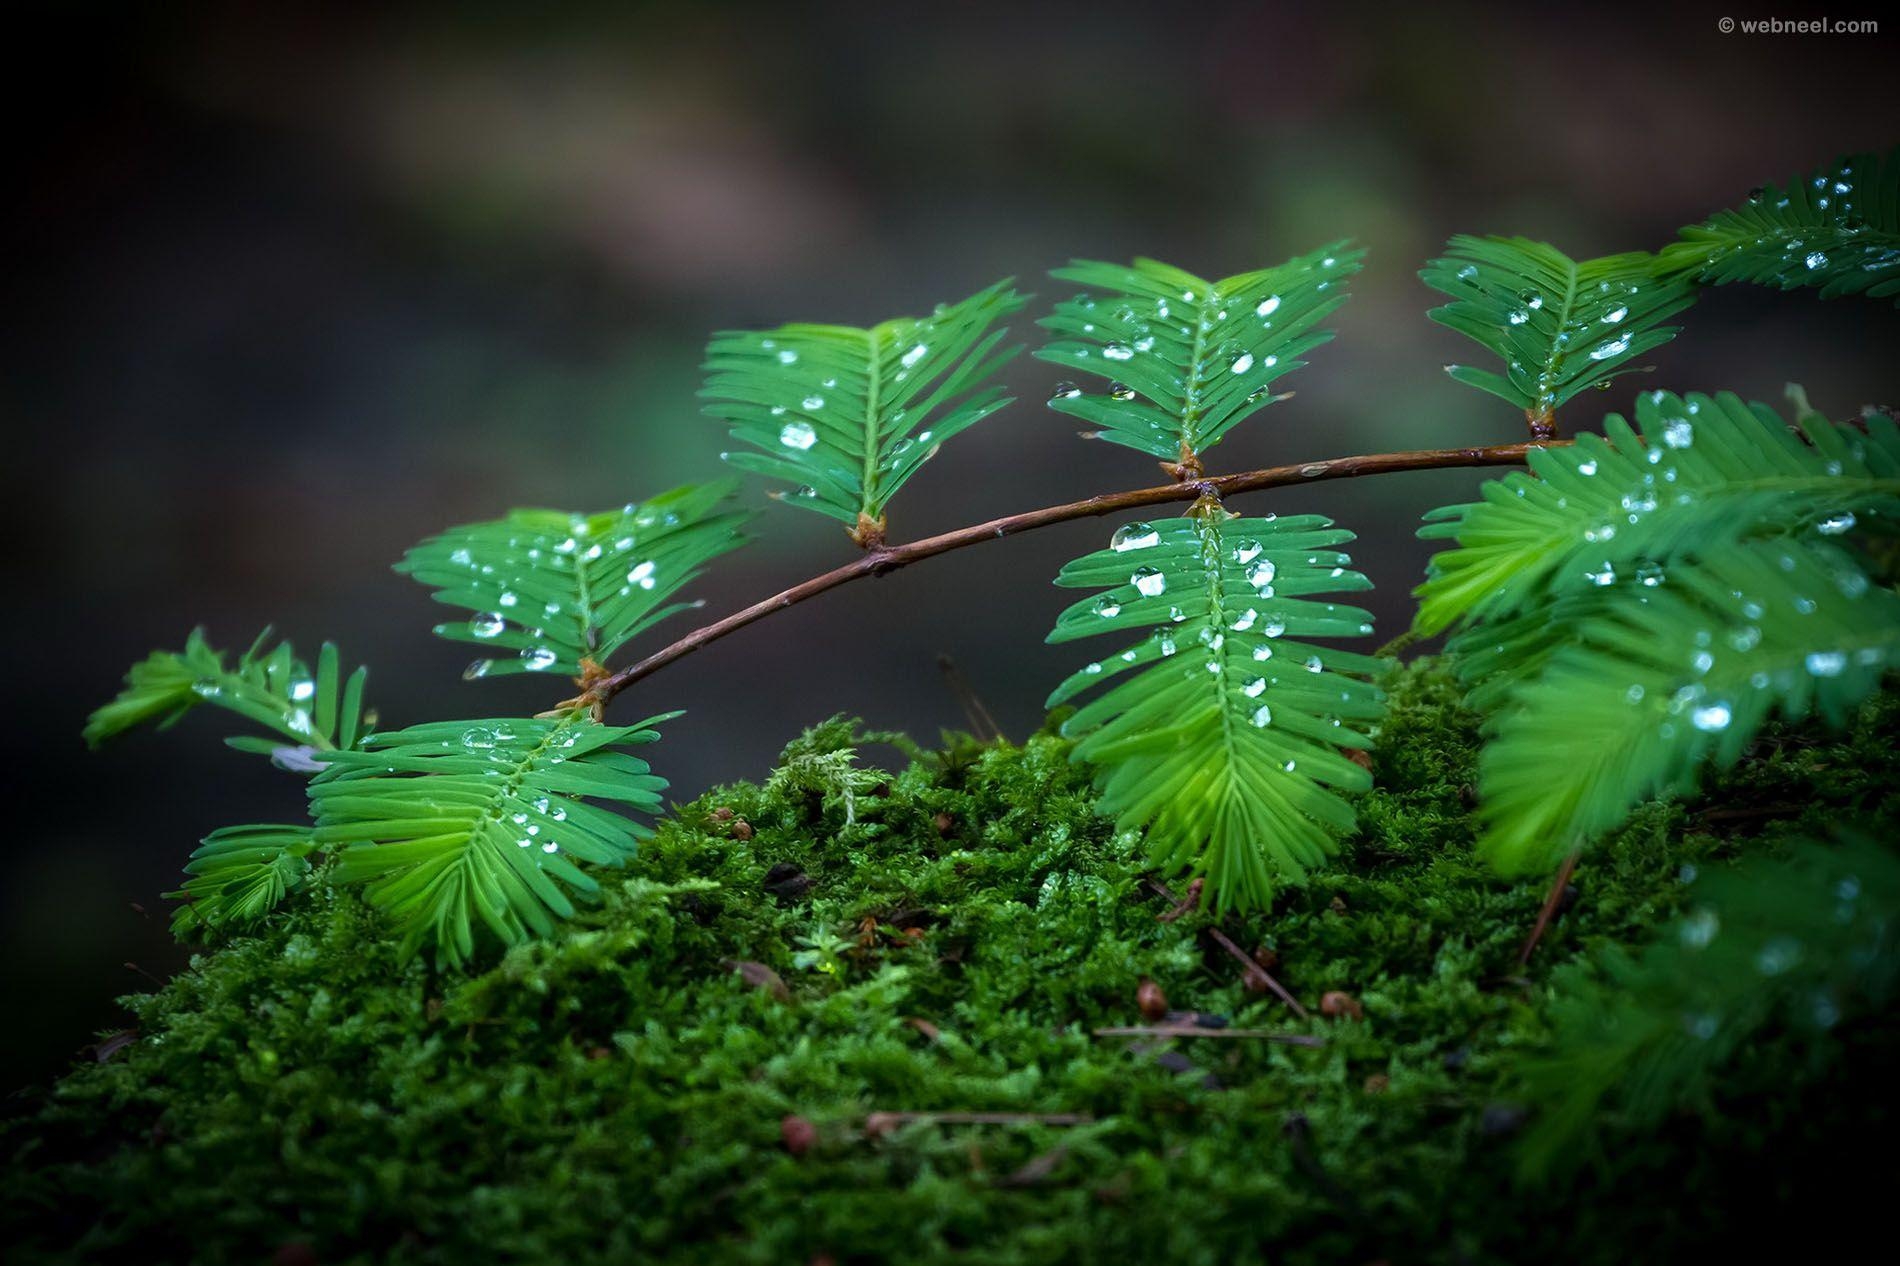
{"x": 717, "y": 1063}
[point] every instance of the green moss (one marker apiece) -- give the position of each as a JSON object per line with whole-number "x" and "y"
{"x": 618, "y": 1091}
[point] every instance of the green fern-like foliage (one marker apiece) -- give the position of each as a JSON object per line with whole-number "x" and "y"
{"x": 553, "y": 589}
{"x": 1559, "y": 325}
{"x": 457, "y": 825}
{"x": 1188, "y": 359}
{"x": 846, "y": 416}
{"x": 1696, "y": 473}
{"x": 240, "y": 874}
{"x": 1641, "y": 602}
{"x": 1221, "y": 731}
{"x": 310, "y": 712}
{"x": 1656, "y": 687}
{"x": 1787, "y": 947}
{"x": 1837, "y": 230}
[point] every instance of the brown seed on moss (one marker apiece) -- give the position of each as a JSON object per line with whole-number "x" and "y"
{"x": 1267, "y": 958}
{"x": 759, "y": 976}
{"x": 1378, "y": 1084}
{"x": 722, "y": 814}
{"x": 797, "y": 1134}
{"x": 741, "y": 829}
{"x": 1337, "y": 1003}
{"x": 1153, "y": 1003}
{"x": 944, "y": 823}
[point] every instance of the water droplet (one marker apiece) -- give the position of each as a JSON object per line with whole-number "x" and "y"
{"x": 1836, "y": 525}
{"x": 1242, "y": 363}
{"x": 1150, "y": 581}
{"x": 915, "y": 354}
{"x": 1121, "y": 391}
{"x": 1261, "y": 574}
{"x": 477, "y": 670}
{"x": 1815, "y": 259}
{"x": 1825, "y": 663}
{"x": 1313, "y": 664}
{"x": 478, "y": 738}
{"x": 642, "y": 575}
{"x": 1246, "y": 551}
{"x": 1614, "y": 347}
{"x": 1615, "y": 316}
{"x": 1118, "y": 351}
{"x": 1267, "y": 306}
{"x": 812, "y": 402}
{"x": 1778, "y": 955}
{"x": 1587, "y": 468}
{"x": 1712, "y": 719}
{"x": 538, "y": 658}
{"x": 798, "y": 435}
{"x": 1263, "y": 716}
{"x": 1107, "y": 607}
{"x": 1065, "y": 391}
{"x": 1255, "y": 687}
{"x": 1134, "y": 536}
{"x": 787, "y": 357}
{"x": 1699, "y": 928}
{"x": 1678, "y": 434}
{"x": 487, "y": 624}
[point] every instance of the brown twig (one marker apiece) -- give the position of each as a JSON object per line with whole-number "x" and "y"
{"x": 1183, "y": 905}
{"x": 1253, "y": 975}
{"x": 1549, "y": 911}
{"x": 880, "y": 558}
{"x": 1254, "y": 971}
{"x": 982, "y": 724}
{"x": 1195, "y": 1030}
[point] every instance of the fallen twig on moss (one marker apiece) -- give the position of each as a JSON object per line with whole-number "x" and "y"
{"x": 1196, "y": 1030}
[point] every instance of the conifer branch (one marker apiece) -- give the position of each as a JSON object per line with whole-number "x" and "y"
{"x": 882, "y": 559}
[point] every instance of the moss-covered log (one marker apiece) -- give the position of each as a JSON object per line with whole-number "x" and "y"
{"x": 852, "y": 1017}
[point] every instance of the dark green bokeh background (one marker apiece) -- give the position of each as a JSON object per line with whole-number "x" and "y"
{"x": 286, "y": 293}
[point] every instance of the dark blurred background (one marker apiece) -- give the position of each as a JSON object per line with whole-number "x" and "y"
{"x": 287, "y": 291}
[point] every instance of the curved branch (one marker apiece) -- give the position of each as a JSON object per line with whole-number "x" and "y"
{"x": 881, "y": 559}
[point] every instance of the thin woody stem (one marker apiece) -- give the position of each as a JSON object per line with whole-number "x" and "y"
{"x": 881, "y": 558}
